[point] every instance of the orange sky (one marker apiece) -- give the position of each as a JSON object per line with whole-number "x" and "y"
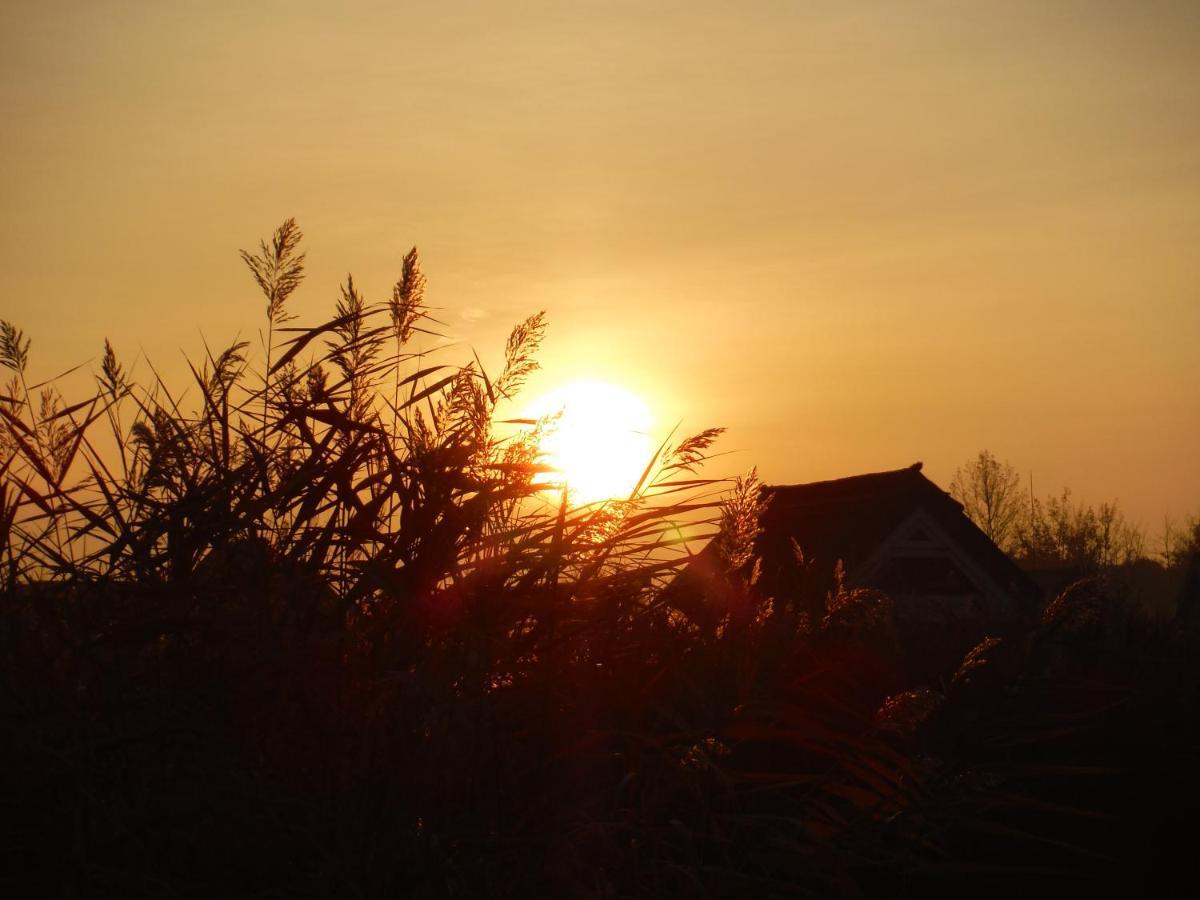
{"x": 856, "y": 234}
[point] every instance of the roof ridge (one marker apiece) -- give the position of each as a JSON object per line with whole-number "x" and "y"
{"x": 914, "y": 469}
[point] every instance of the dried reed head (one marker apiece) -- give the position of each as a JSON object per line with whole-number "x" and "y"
{"x": 407, "y": 304}
{"x": 278, "y": 268}
{"x": 14, "y": 347}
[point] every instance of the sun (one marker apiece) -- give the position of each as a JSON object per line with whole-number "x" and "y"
{"x": 600, "y": 444}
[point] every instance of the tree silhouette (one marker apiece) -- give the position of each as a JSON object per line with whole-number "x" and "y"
{"x": 990, "y": 492}
{"x": 1061, "y": 532}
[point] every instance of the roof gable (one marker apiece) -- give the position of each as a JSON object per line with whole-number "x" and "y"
{"x": 849, "y": 519}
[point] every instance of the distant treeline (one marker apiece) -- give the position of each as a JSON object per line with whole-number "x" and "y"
{"x": 1059, "y": 531}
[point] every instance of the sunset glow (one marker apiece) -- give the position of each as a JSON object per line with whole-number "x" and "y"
{"x": 600, "y": 443}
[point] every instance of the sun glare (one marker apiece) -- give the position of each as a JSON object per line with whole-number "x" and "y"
{"x": 600, "y": 444}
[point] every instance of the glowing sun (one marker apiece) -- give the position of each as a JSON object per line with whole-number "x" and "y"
{"x": 600, "y": 444}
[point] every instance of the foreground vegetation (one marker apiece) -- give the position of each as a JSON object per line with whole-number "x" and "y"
{"x": 321, "y": 632}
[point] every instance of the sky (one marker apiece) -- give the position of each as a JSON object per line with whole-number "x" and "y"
{"x": 857, "y": 235}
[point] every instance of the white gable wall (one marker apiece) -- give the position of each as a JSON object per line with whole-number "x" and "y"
{"x": 920, "y": 537}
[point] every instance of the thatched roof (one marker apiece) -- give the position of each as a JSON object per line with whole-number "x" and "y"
{"x": 847, "y": 518}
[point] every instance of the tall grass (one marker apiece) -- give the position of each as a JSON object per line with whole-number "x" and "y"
{"x": 341, "y": 456}
{"x": 342, "y": 532}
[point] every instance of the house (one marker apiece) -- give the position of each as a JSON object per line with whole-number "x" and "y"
{"x": 899, "y": 532}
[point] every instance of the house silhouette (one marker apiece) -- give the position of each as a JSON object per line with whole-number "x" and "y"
{"x": 895, "y": 531}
